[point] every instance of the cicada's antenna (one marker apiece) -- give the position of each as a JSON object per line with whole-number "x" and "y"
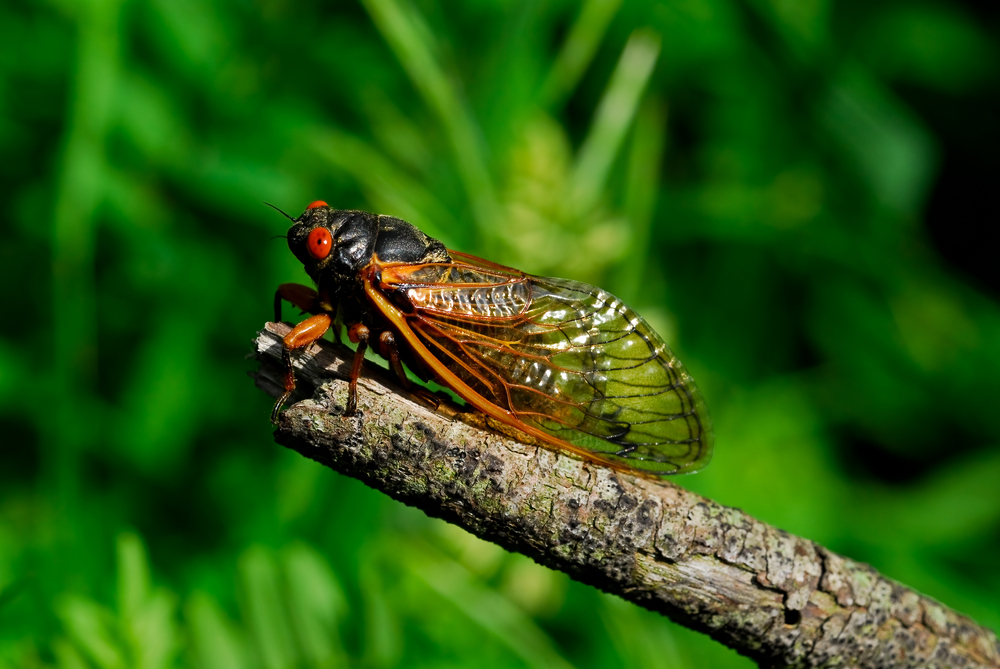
{"x": 280, "y": 212}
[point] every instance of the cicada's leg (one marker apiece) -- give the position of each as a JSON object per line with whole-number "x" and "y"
{"x": 300, "y": 336}
{"x": 304, "y": 297}
{"x": 388, "y": 350}
{"x": 357, "y": 333}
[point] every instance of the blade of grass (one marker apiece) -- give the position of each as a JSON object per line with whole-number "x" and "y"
{"x": 484, "y": 606}
{"x": 145, "y": 614}
{"x": 78, "y": 193}
{"x": 213, "y": 638}
{"x": 641, "y": 639}
{"x": 614, "y": 115}
{"x": 264, "y": 611}
{"x": 92, "y": 629}
{"x": 412, "y": 43}
{"x": 316, "y": 605}
{"x": 578, "y": 50}
{"x": 642, "y": 184}
{"x": 889, "y": 146}
{"x": 383, "y": 637}
{"x": 133, "y": 574}
{"x": 67, "y": 656}
{"x": 390, "y": 189}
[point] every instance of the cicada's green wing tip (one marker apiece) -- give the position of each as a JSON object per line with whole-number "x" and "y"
{"x": 706, "y": 437}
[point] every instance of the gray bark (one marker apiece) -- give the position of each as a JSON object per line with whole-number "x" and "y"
{"x": 781, "y": 600}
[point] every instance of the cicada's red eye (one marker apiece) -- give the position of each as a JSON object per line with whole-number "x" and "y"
{"x": 319, "y": 243}
{"x": 317, "y": 203}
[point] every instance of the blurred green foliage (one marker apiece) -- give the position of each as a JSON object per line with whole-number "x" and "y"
{"x": 751, "y": 175}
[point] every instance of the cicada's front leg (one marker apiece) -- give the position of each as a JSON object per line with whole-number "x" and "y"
{"x": 304, "y": 297}
{"x": 301, "y": 336}
{"x": 308, "y": 301}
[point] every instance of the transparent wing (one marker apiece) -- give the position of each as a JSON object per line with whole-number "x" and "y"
{"x": 566, "y": 358}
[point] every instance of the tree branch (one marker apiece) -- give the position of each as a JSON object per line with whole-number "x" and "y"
{"x": 779, "y": 599}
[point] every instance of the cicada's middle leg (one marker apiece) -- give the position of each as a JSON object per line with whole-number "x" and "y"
{"x": 389, "y": 351}
{"x": 358, "y": 333}
{"x": 301, "y": 335}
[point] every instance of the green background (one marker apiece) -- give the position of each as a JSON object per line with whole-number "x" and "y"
{"x": 791, "y": 191}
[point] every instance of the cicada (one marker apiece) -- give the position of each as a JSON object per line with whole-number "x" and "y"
{"x": 562, "y": 361}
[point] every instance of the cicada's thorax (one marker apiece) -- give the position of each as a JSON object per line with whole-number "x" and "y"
{"x": 359, "y": 238}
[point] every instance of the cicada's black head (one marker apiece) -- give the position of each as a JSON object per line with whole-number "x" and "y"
{"x": 335, "y": 244}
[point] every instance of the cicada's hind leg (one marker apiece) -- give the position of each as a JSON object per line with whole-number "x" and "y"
{"x": 304, "y": 297}
{"x": 301, "y": 335}
{"x": 357, "y": 333}
{"x": 388, "y": 350}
